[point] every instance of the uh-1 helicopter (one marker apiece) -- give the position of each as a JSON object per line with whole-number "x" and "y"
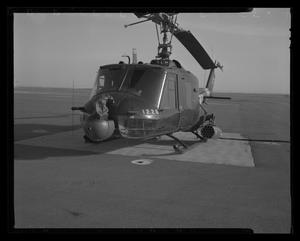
{"x": 148, "y": 100}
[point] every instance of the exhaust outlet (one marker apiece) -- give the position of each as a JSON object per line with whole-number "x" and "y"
{"x": 209, "y": 131}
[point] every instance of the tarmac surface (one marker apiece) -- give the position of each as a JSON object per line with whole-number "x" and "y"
{"x": 240, "y": 181}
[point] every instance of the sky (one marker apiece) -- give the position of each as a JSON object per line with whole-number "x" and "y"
{"x": 57, "y": 49}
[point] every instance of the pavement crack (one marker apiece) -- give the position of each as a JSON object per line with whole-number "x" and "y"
{"x": 74, "y": 213}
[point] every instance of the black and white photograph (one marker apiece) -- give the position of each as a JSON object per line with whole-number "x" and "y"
{"x": 152, "y": 120}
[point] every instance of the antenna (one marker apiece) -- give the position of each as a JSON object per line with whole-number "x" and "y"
{"x": 127, "y": 57}
{"x": 134, "y": 56}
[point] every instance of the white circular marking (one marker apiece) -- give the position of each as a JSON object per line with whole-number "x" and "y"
{"x": 142, "y": 161}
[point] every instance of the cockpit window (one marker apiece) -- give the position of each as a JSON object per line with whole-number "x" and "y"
{"x": 108, "y": 79}
{"x": 144, "y": 82}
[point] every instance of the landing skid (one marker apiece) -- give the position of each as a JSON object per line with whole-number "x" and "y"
{"x": 181, "y": 147}
{"x": 203, "y": 139}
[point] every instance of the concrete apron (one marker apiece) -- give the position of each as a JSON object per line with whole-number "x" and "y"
{"x": 214, "y": 151}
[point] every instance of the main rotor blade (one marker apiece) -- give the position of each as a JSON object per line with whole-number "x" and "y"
{"x": 201, "y": 10}
{"x": 195, "y": 48}
{"x": 221, "y": 9}
{"x": 139, "y": 15}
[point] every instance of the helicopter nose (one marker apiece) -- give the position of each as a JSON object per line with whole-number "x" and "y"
{"x": 99, "y": 130}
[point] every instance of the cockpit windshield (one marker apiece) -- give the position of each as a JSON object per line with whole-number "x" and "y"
{"x": 108, "y": 79}
{"x": 143, "y": 81}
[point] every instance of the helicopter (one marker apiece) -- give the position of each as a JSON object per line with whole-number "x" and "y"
{"x": 147, "y": 100}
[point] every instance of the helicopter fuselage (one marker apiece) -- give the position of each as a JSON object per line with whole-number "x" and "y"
{"x": 141, "y": 101}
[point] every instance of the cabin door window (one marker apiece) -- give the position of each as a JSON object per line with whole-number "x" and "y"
{"x": 169, "y": 97}
{"x": 101, "y": 82}
{"x": 189, "y": 94}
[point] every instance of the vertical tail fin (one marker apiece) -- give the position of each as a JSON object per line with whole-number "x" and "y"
{"x": 210, "y": 81}
{"x": 207, "y": 91}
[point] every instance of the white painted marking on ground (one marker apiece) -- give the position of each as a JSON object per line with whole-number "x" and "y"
{"x": 142, "y": 161}
{"x": 226, "y": 152}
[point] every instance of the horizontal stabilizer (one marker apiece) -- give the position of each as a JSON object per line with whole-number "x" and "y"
{"x": 217, "y": 97}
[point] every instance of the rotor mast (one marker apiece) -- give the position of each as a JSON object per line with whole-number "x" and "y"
{"x": 167, "y": 24}
{"x": 164, "y": 49}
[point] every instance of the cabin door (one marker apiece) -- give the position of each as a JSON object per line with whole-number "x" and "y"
{"x": 185, "y": 92}
{"x": 169, "y": 109}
